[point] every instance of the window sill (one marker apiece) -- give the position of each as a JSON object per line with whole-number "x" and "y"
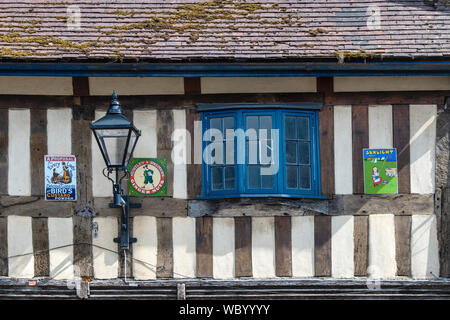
{"x": 259, "y": 205}
{"x": 262, "y": 195}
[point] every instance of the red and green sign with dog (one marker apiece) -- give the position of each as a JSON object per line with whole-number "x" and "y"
{"x": 148, "y": 177}
{"x": 380, "y": 171}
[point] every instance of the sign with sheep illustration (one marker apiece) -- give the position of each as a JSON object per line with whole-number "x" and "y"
{"x": 380, "y": 171}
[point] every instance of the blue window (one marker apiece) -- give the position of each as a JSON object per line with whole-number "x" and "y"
{"x": 260, "y": 152}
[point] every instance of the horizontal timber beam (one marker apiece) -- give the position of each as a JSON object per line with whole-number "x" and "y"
{"x": 397, "y": 204}
{"x": 191, "y": 101}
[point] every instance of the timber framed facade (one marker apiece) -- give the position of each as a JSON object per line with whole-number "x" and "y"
{"x": 184, "y": 238}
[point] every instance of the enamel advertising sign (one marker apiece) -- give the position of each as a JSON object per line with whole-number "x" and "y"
{"x": 380, "y": 171}
{"x": 60, "y": 178}
{"x": 147, "y": 177}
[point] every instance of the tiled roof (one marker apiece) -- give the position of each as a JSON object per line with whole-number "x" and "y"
{"x": 222, "y": 29}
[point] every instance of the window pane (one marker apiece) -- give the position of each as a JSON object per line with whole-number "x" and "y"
{"x": 217, "y": 178}
{"x": 303, "y": 128}
{"x": 289, "y": 128}
{"x": 305, "y": 177}
{"x": 291, "y": 175}
{"x": 228, "y": 123}
{"x": 252, "y": 122}
{"x": 304, "y": 152}
{"x": 291, "y": 152}
{"x": 229, "y": 177}
{"x": 266, "y": 124}
{"x": 253, "y": 177}
{"x": 267, "y": 181}
{"x": 216, "y": 123}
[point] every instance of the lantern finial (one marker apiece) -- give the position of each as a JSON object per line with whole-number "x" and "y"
{"x": 114, "y": 107}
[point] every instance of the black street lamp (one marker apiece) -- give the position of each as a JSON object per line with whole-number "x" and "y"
{"x": 117, "y": 137}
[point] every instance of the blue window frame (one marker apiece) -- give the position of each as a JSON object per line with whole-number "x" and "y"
{"x": 248, "y": 163}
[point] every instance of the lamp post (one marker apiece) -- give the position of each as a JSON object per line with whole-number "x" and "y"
{"x": 117, "y": 137}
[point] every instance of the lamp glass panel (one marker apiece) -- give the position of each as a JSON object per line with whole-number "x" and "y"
{"x": 113, "y": 143}
{"x": 130, "y": 149}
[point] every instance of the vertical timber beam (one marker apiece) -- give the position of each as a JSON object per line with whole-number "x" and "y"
{"x": 4, "y": 151}
{"x": 442, "y": 196}
{"x": 164, "y": 259}
{"x": 38, "y": 148}
{"x": 3, "y": 247}
{"x": 283, "y": 247}
{"x": 326, "y": 136}
{"x": 243, "y": 246}
{"x": 164, "y": 121}
{"x": 204, "y": 247}
{"x": 40, "y": 247}
{"x": 322, "y": 246}
{"x": 360, "y": 137}
{"x": 400, "y": 118}
{"x": 82, "y": 115}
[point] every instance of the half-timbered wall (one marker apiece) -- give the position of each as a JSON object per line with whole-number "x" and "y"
{"x": 347, "y": 235}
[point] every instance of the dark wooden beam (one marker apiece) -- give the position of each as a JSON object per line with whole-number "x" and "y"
{"x": 194, "y": 170}
{"x": 204, "y": 246}
{"x": 182, "y": 101}
{"x": 82, "y": 209}
{"x": 80, "y": 86}
{"x": 360, "y": 138}
{"x": 38, "y": 148}
{"x": 326, "y": 135}
{"x": 400, "y": 118}
{"x": 360, "y": 205}
{"x": 41, "y": 247}
{"x": 243, "y": 246}
{"x": 164, "y": 264}
{"x": 165, "y": 127}
{"x": 361, "y": 245}
{"x": 322, "y": 246}
{"x": 283, "y": 247}
{"x": 4, "y": 151}
{"x": 192, "y": 86}
{"x": 152, "y": 206}
{"x": 3, "y": 247}
{"x": 403, "y": 245}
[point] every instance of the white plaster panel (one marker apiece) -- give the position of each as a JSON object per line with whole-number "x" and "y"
{"x": 105, "y": 250}
{"x": 342, "y": 247}
{"x": 145, "y": 249}
{"x": 223, "y": 248}
{"x": 424, "y": 247}
{"x": 184, "y": 249}
{"x": 104, "y": 86}
{"x": 302, "y": 246}
{"x": 257, "y": 85}
{"x": 60, "y": 242}
{"x": 263, "y": 247}
{"x": 19, "y": 170}
{"x": 145, "y": 120}
{"x": 422, "y": 121}
{"x": 397, "y": 83}
{"x": 59, "y": 131}
{"x": 36, "y": 85}
{"x": 382, "y": 263}
{"x": 20, "y": 247}
{"x": 380, "y": 126}
{"x": 343, "y": 150}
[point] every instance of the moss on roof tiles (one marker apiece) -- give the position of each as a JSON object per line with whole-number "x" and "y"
{"x": 188, "y": 19}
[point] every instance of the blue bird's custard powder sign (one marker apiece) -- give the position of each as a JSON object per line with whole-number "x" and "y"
{"x": 60, "y": 178}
